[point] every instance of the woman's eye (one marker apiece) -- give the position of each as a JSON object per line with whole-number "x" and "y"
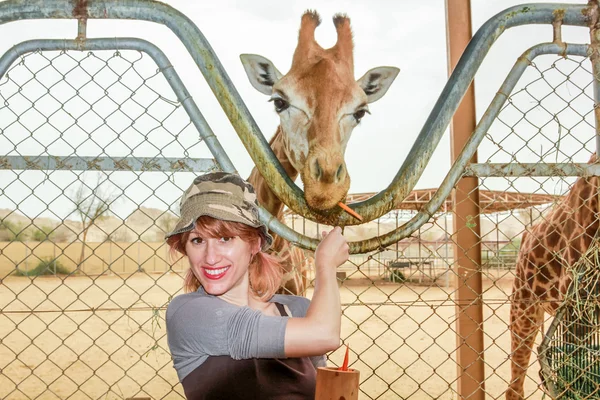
{"x": 226, "y": 239}
{"x": 359, "y": 114}
{"x": 280, "y": 104}
{"x": 196, "y": 240}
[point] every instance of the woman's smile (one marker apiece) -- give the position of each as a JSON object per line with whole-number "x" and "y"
{"x": 215, "y": 273}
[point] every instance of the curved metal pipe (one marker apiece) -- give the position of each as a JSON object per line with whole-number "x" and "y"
{"x": 422, "y": 149}
{"x": 458, "y": 168}
{"x": 246, "y": 127}
{"x": 184, "y": 98}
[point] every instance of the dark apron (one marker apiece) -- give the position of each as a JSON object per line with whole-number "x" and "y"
{"x": 222, "y": 377}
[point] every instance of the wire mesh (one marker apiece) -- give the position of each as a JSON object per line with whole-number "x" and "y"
{"x": 549, "y": 119}
{"x": 85, "y": 273}
{"x": 86, "y": 276}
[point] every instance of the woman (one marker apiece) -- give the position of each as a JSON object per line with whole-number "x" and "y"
{"x": 230, "y": 336}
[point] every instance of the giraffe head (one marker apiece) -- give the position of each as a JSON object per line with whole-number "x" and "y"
{"x": 319, "y": 103}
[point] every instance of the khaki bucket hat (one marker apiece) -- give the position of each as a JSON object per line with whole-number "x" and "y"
{"x": 223, "y": 196}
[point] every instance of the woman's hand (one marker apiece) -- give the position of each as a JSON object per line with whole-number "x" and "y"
{"x": 333, "y": 249}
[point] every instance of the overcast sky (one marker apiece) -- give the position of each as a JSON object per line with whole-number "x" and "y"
{"x": 410, "y": 35}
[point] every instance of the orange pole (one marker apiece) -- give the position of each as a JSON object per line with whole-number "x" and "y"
{"x": 467, "y": 247}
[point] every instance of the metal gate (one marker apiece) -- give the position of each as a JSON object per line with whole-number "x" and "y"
{"x": 99, "y": 137}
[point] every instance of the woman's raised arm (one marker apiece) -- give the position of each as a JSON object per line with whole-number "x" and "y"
{"x": 319, "y": 331}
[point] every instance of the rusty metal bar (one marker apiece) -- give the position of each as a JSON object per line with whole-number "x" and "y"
{"x": 532, "y": 169}
{"x": 297, "y": 238}
{"x": 203, "y": 55}
{"x": 138, "y": 163}
{"x": 467, "y": 246}
{"x": 595, "y": 59}
{"x": 155, "y": 53}
{"x": 81, "y": 163}
{"x": 462, "y": 162}
{"x": 81, "y": 29}
{"x": 242, "y": 121}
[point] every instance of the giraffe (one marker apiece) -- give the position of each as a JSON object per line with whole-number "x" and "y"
{"x": 319, "y": 103}
{"x": 541, "y": 279}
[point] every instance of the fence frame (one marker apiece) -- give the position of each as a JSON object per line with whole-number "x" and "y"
{"x": 254, "y": 140}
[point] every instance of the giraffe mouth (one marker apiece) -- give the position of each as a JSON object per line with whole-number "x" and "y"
{"x": 324, "y": 197}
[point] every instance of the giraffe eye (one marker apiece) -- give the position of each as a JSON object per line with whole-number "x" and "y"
{"x": 280, "y": 104}
{"x": 359, "y": 114}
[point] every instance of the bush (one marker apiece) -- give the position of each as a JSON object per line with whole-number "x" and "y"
{"x": 397, "y": 276}
{"x": 12, "y": 232}
{"x": 46, "y": 266}
{"x": 42, "y": 234}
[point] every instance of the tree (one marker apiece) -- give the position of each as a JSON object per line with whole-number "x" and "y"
{"x": 12, "y": 232}
{"x": 91, "y": 205}
{"x": 166, "y": 223}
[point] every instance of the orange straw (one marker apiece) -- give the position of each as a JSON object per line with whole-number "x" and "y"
{"x": 344, "y": 366}
{"x": 350, "y": 211}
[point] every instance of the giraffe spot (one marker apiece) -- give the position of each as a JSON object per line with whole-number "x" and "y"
{"x": 570, "y": 225}
{"x": 542, "y": 276}
{"x": 529, "y": 277}
{"x": 591, "y": 230}
{"x": 539, "y": 251}
{"x": 574, "y": 254}
{"x": 553, "y": 238}
{"x": 523, "y": 305}
{"x": 556, "y": 267}
{"x": 585, "y": 192}
{"x": 540, "y": 290}
{"x": 585, "y": 214}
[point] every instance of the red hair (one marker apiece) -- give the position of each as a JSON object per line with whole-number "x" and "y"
{"x": 265, "y": 271}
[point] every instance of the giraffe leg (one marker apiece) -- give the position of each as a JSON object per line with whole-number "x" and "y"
{"x": 526, "y": 318}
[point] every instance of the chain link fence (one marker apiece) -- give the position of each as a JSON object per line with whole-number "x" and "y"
{"x": 85, "y": 272}
{"x": 85, "y": 203}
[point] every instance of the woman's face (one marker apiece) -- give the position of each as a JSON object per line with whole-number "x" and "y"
{"x": 220, "y": 264}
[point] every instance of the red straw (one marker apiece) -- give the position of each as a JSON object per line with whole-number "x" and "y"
{"x": 344, "y": 366}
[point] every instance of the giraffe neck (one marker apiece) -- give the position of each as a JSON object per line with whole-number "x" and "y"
{"x": 578, "y": 215}
{"x": 264, "y": 194}
{"x": 567, "y": 230}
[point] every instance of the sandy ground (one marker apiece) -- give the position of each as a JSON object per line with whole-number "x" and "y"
{"x": 110, "y": 343}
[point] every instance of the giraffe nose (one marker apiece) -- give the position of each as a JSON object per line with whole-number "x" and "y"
{"x": 323, "y": 172}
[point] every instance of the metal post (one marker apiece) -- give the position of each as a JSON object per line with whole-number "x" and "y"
{"x": 595, "y": 59}
{"x": 420, "y": 268}
{"x": 81, "y": 29}
{"x": 467, "y": 250}
{"x": 397, "y": 212}
{"x": 446, "y": 240}
{"x": 498, "y": 247}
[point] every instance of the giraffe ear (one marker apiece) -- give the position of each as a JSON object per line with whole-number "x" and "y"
{"x": 261, "y": 72}
{"x": 377, "y": 81}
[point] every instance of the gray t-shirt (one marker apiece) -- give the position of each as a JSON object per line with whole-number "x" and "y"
{"x": 200, "y": 325}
